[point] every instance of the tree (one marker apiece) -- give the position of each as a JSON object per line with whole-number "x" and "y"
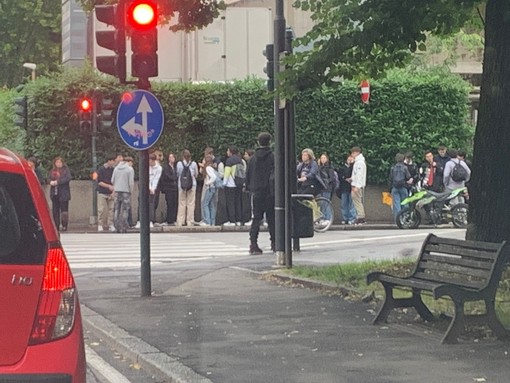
{"x": 364, "y": 38}
{"x": 30, "y": 31}
{"x": 191, "y": 14}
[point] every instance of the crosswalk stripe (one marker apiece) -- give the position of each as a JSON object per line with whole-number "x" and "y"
{"x": 109, "y": 251}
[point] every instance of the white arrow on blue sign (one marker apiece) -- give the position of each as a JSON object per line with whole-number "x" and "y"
{"x": 140, "y": 119}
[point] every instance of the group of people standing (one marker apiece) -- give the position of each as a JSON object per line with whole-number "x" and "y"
{"x": 435, "y": 174}
{"x": 320, "y": 177}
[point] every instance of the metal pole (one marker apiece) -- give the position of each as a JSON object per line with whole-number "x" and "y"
{"x": 145, "y": 233}
{"x": 93, "y": 219}
{"x": 288, "y": 166}
{"x": 279, "y": 44}
{"x": 145, "y": 252}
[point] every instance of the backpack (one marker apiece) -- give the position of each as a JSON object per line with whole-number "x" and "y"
{"x": 459, "y": 173}
{"x": 240, "y": 174}
{"x": 186, "y": 178}
{"x": 218, "y": 182}
{"x": 398, "y": 176}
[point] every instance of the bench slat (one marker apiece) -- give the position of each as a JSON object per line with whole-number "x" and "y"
{"x": 460, "y": 271}
{"x": 457, "y": 261}
{"x": 460, "y": 251}
{"x": 491, "y": 246}
{"x": 408, "y": 282}
{"x": 449, "y": 280}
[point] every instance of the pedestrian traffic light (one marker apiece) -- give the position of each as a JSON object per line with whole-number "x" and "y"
{"x": 21, "y": 111}
{"x": 141, "y": 20}
{"x": 114, "y": 40}
{"x": 85, "y": 114}
{"x": 106, "y": 112}
{"x": 269, "y": 68}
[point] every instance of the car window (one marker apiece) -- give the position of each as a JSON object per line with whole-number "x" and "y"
{"x": 21, "y": 237}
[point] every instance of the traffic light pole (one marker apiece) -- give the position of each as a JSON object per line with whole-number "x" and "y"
{"x": 94, "y": 217}
{"x": 279, "y": 121}
{"x": 145, "y": 233}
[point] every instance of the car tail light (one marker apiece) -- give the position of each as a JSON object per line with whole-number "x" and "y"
{"x": 58, "y": 300}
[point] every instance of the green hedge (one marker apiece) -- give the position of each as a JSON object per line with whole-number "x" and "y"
{"x": 413, "y": 111}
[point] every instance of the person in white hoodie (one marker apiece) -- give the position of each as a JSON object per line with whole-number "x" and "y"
{"x": 358, "y": 183}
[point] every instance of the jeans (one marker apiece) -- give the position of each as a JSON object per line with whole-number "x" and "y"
{"x": 398, "y": 195}
{"x": 347, "y": 207}
{"x": 327, "y": 213}
{"x": 263, "y": 202}
{"x": 121, "y": 211}
{"x": 208, "y": 206}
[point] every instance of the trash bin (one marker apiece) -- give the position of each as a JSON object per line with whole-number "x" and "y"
{"x": 302, "y": 216}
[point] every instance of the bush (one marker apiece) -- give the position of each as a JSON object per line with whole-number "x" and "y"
{"x": 413, "y": 111}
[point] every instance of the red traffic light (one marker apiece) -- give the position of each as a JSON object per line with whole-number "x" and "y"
{"x": 85, "y": 105}
{"x": 142, "y": 15}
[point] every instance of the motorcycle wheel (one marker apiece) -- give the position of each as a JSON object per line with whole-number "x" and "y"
{"x": 408, "y": 218}
{"x": 459, "y": 215}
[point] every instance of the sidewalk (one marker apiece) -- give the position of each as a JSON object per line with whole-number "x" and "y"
{"x": 86, "y": 228}
{"x": 233, "y": 325}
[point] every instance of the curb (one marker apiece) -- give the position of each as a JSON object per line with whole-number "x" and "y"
{"x": 153, "y": 360}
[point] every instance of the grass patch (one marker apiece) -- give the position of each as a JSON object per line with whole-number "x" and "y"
{"x": 353, "y": 275}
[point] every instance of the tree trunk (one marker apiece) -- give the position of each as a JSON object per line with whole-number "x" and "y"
{"x": 490, "y": 185}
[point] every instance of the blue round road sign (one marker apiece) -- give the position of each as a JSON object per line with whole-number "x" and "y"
{"x": 140, "y": 119}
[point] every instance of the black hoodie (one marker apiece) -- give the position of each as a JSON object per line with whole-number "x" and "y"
{"x": 260, "y": 173}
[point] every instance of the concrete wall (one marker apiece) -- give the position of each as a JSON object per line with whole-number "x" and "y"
{"x": 80, "y": 207}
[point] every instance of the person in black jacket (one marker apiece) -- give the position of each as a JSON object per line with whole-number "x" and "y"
{"x": 60, "y": 192}
{"x": 344, "y": 192}
{"x": 168, "y": 186}
{"x": 260, "y": 182}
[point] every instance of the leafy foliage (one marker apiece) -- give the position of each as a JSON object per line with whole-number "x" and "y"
{"x": 364, "y": 38}
{"x": 30, "y": 31}
{"x": 407, "y": 111}
{"x": 185, "y": 15}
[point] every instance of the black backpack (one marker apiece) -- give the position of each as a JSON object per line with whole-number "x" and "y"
{"x": 398, "y": 176}
{"x": 186, "y": 178}
{"x": 459, "y": 173}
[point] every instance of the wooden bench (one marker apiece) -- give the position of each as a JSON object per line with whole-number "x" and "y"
{"x": 461, "y": 270}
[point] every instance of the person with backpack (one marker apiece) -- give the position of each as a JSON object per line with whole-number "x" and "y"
{"x": 330, "y": 179}
{"x": 456, "y": 174}
{"x": 187, "y": 172}
{"x": 399, "y": 180}
{"x": 234, "y": 181}
{"x": 212, "y": 182}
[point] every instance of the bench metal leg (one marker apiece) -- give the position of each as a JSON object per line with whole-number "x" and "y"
{"x": 492, "y": 319}
{"x": 388, "y": 305}
{"x": 456, "y": 325}
{"x": 420, "y": 307}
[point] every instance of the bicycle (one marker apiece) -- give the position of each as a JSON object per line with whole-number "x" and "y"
{"x": 322, "y": 213}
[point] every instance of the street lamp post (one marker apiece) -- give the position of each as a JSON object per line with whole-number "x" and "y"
{"x": 32, "y": 67}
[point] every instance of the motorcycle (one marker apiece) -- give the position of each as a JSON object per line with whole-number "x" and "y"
{"x": 437, "y": 207}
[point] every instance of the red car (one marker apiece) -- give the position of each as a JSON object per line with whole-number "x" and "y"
{"x": 41, "y": 336}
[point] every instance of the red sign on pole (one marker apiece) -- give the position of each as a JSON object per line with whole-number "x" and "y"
{"x": 365, "y": 91}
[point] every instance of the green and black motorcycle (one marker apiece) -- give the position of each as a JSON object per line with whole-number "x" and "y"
{"x": 436, "y": 206}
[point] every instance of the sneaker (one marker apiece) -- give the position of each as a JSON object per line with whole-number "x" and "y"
{"x": 137, "y": 226}
{"x": 238, "y": 223}
{"x": 265, "y": 224}
{"x": 360, "y": 221}
{"x": 197, "y": 223}
{"x": 229, "y": 224}
{"x": 248, "y": 223}
{"x": 100, "y": 228}
{"x": 255, "y": 249}
{"x": 202, "y": 223}
{"x": 344, "y": 222}
{"x": 325, "y": 223}
{"x": 151, "y": 225}
{"x": 112, "y": 228}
